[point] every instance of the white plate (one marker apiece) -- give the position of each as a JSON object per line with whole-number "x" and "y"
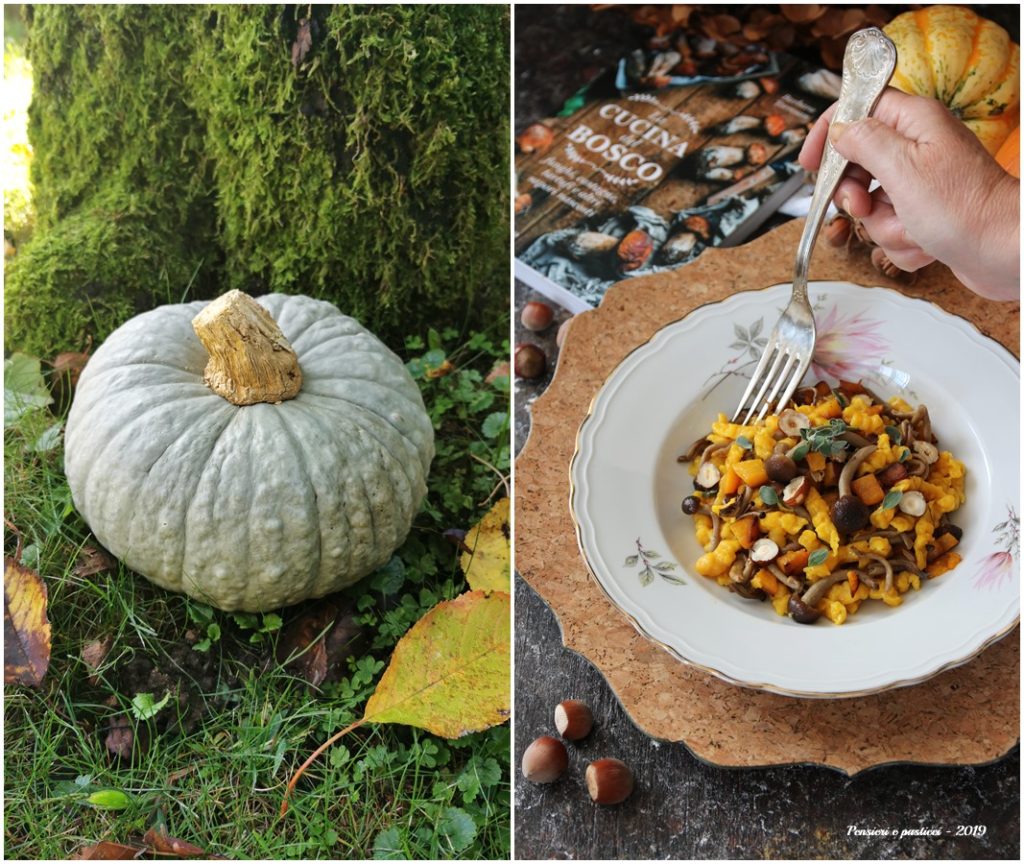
{"x": 627, "y": 490}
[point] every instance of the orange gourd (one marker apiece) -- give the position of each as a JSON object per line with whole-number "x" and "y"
{"x": 1009, "y": 154}
{"x": 966, "y": 62}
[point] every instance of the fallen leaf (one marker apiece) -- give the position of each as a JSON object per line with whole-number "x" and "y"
{"x": 110, "y": 799}
{"x": 67, "y": 367}
{"x": 93, "y": 655}
{"x": 449, "y": 674}
{"x": 446, "y": 368}
{"x": 163, "y": 844}
{"x": 93, "y": 560}
{"x": 24, "y": 388}
{"x": 303, "y": 42}
{"x": 108, "y": 850}
{"x": 486, "y": 561}
{"x": 500, "y": 370}
{"x": 26, "y": 627}
{"x": 120, "y": 738}
{"x": 316, "y": 644}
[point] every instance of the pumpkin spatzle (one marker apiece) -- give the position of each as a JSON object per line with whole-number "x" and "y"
{"x": 250, "y": 453}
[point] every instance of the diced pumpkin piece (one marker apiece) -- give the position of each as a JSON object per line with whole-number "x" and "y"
{"x": 945, "y": 542}
{"x": 766, "y": 581}
{"x": 854, "y": 580}
{"x": 746, "y": 530}
{"x": 793, "y": 562}
{"x": 815, "y": 461}
{"x": 752, "y": 472}
{"x": 868, "y": 489}
{"x": 730, "y": 482}
{"x": 942, "y": 564}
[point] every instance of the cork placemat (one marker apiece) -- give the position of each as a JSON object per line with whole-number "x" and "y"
{"x": 968, "y": 715}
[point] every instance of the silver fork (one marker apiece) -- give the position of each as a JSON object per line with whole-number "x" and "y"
{"x": 868, "y": 64}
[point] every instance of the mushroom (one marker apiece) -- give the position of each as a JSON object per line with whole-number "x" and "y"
{"x": 926, "y": 451}
{"x": 817, "y": 591}
{"x": 739, "y": 505}
{"x": 854, "y": 438}
{"x": 887, "y": 568}
{"x": 849, "y": 513}
{"x": 916, "y": 467}
{"x": 790, "y": 582}
{"x": 801, "y": 612}
{"x": 692, "y": 505}
{"x": 716, "y": 530}
{"x": 742, "y": 569}
{"x": 780, "y": 468}
{"x": 695, "y": 450}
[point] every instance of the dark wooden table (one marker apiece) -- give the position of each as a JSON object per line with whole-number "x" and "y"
{"x": 683, "y": 808}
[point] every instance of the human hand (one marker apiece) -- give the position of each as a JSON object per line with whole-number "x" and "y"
{"x": 942, "y": 196}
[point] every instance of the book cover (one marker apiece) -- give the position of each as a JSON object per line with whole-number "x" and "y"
{"x": 639, "y": 173}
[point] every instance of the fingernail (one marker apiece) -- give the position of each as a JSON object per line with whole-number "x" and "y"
{"x": 835, "y": 131}
{"x": 845, "y": 204}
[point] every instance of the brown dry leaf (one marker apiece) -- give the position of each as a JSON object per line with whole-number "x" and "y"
{"x": 120, "y": 738}
{"x": 303, "y": 42}
{"x": 446, "y": 368}
{"x": 108, "y": 850}
{"x": 66, "y": 369}
{"x": 93, "y": 655}
{"x": 163, "y": 844}
{"x": 316, "y": 644}
{"x": 93, "y": 560}
{"x": 26, "y": 627}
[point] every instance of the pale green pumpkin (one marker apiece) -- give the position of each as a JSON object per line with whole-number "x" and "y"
{"x": 255, "y": 506}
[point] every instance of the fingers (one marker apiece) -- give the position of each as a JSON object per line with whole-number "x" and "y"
{"x": 885, "y": 228}
{"x": 814, "y": 143}
{"x": 852, "y": 194}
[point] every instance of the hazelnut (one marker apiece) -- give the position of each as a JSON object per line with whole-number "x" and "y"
{"x": 523, "y": 202}
{"x": 537, "y": 316}
{"x": 791, "y": 422}
{"x": 707, "y": 477}
{"x": 609, "y": 781}
{"x": 837, "y": 231}
{"x": 913, "y": 504}
{"x": 764, "y": 550}
{"x": 796, "y": 491}
{"x": 563, "y": 331}
{"x": 545, "y": 760}
{"x": 573, "y": 719}
{"x": 530, "y": 361}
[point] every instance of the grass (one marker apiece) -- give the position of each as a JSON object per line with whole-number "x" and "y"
{"x": 219, "y": 755}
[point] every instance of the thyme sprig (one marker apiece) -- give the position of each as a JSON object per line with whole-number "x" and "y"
{"x": 823, "y": 439}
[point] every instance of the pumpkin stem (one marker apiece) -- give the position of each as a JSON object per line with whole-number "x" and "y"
{"x": 250, "y": 360}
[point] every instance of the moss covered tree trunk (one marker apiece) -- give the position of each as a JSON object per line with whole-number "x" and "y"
{"x": 360, "y": 156}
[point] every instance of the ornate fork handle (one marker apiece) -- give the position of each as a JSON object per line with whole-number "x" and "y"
{"x": 868, "y": 64}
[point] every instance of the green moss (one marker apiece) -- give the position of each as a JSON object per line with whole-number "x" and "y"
{"x": 374, "y": 175}
{"x": 94, "y": 269}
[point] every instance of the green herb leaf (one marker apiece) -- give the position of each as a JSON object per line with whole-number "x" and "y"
{"x": 891, "y": 499}
{"x": 768, "y": 496}
{"x": 894, "y": 435}
{"x": 904, "y": 455}
{"x": 800, "y": 451}
{"x": 818, "y": 556}
{"x": 744, "y": 442}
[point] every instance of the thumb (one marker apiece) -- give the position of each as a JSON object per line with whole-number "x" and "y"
{"x": 879, "y": 149}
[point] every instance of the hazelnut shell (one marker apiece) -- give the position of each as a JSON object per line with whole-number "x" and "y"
{"x": 573, "y": 719}
{"x": 545, "y": 760}
{"x": 609, "y": 781}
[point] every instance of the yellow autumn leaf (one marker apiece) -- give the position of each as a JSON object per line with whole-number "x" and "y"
{"x": 486, "y": 561}
{"x": 26, "y": 627}
{"x": 450, "y": 673}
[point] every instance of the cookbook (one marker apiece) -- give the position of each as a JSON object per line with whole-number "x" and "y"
{"x": 639, "y": 173}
